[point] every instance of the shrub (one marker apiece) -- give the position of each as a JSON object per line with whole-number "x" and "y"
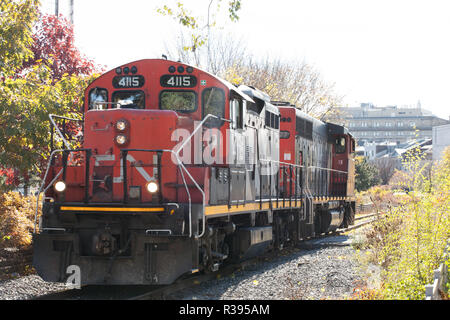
{"x": 366, "y": 174}
{"x": 16, "y": 219}
{"x": 409, "y": 242}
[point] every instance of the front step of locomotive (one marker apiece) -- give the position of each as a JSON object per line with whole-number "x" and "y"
{"x": 143, "y": 257}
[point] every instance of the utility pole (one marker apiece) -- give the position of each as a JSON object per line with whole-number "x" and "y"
{"x": 71, "y": 11}
{"x": 56, "y": 7}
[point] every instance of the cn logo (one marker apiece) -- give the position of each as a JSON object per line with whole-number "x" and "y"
{"x": 74, "y": 279}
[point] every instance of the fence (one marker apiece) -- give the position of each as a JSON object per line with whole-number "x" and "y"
{"x": 440, "y": 279}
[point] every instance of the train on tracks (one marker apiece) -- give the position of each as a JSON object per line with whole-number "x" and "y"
{"x": 179, "y": 171}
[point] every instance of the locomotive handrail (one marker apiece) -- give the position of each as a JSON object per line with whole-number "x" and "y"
{"x": 62, "y": 171}
{"x": 177, "y": 153}
{"x": 209, "y": 115}
{"x": 327, "y": 169}
{"x": 309, "y": 168}
{"x": 109, "y": 102}
{"x": 38, "y": 193}
{"x": 57, "y": 129}
{"x": 185, "y": 184}
{"x": 297, "y": 182}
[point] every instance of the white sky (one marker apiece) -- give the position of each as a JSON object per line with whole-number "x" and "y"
{"x": 386, "y": 52}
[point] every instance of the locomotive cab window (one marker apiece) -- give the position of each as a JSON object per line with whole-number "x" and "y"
{"x": 272, "y": 120}
{"x": 237, "y": 113}
{"x": 129, "y": 99}
{"x": 213, "y": 102}
{"x": 96, "y": 97}
{"x": 178, "y": 100}
{"x": 340, "y": 145}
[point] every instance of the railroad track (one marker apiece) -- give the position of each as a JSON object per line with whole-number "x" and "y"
{"x": 161, "y": 292}
{"x": 13, "y": 260}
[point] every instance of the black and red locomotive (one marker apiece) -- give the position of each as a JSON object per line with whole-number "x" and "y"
{"x": 180, "y": 171}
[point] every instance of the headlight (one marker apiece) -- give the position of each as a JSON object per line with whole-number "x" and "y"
{"x": 60, "y": 186}
{"x": 121, "y": 139}
{"x": 121, "y": 125}
{"x": 152, "y": 187}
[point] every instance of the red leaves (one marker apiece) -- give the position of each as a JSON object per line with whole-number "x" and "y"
{"x": 12, "y": 177}
{"x": 54, "y": 45}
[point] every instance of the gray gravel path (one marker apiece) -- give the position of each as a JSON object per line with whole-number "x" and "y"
{"x": 27, "y": 287}
{"x": 323, "y": 272}
{"x": 326, "y": 269}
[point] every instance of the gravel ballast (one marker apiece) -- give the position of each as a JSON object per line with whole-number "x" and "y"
{"x": 27, "y": 287}
{"x": 326, "y": 271}
{"x": 321, "y": 269}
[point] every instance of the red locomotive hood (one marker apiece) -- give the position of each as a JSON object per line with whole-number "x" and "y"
{"x": 141, "y": 129}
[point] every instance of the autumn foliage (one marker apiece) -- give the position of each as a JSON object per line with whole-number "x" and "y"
{"x": 16, "y": 220}
{"x": 408, "y": 243}
{"x": 45, "y": 74}
{"x": 54, "y": 45}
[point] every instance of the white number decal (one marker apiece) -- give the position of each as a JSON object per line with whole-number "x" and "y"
{"x": 179, "y": 81}
{"x": 186, "y": 81}
{"x": 171, "y": 81}
{"x": 127, "y": 82}
{"x": 122, "y": 82}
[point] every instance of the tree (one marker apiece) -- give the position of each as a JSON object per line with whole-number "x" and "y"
{"x": 25, "y": 104}
{"x": 53, "y": 83}
{"x": 199, "y": 35}
{"x": 366, "y": 174}
{"x": 386, "y": 167}
{"x": 16, "y": 22}
{"x": 53, "y": 45}
{"x": 294, "y": 81}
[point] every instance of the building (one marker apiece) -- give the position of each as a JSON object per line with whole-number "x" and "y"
{"x": 441, "y": 140}
{"x": 393, "y": 124}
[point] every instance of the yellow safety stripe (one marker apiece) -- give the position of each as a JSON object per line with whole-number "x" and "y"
{"x": 114, "y": 209}
{"x": 255, "y": 206}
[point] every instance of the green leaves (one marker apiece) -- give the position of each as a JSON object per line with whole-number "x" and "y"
{"x": 31, "y": 87}
{"x": 367, "y": 175}
{"x": 408, "y": 242}
{"x": 200, "y": 34}
{"x": 16, "y": 22}
{"x": 233, "y": 8}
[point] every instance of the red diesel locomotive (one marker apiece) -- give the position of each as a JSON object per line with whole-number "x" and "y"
{"x": 180, "y": 171}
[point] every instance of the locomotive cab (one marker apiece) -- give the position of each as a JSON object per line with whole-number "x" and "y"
{"x": 343, "y": 151}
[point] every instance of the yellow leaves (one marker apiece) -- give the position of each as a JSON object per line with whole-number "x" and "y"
{"x": 16, "y": 219}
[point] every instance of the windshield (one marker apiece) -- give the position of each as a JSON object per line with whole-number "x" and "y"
{"x": 129, "y": 99}
{"x": 96, "y": 97}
